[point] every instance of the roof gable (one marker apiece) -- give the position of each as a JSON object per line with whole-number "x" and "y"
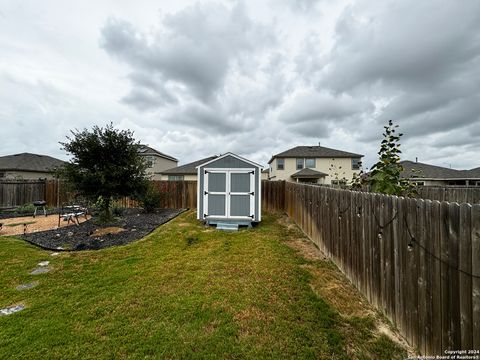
{"x": 315, "y": 152}
{"x": 145, "y": 150}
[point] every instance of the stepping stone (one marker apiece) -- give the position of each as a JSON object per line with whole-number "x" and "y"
{"x": 55, "y": 254}
{"x": 40, "y": 270}
{"x": 11, "y": 309}
{"x": 43, "y": 263}
{"x": 27, "y": 286}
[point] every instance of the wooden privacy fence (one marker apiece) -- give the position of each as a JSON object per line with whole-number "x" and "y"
{"x": 20, "y": 192}
{"x": 416, "y": 260}
{"x": 175, "y": 194}
{"x": 460, "y": 195}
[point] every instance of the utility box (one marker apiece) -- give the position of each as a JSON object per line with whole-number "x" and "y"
{"x": 229, "y": 191}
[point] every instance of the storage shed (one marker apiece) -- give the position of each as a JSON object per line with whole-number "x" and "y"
{"x": 229, "y": 191}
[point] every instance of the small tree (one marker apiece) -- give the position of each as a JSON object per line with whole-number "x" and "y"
{"x": 105, "y": 165}
{"x": 385, "y": 174}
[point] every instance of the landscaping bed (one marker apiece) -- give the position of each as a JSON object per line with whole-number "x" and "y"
{"x": 132, "y": 225}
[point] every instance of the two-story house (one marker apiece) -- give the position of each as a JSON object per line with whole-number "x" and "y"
{"x": 156, "y": 161}
{"x": 314, "y": 164}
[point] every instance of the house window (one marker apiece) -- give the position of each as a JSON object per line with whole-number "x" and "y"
{"x": 150, "y": 161}
{"x": 299, "y": 164}
{"x": 2, "y": 174}
{"x": 310, "y": 163}
{"x": 280, "y": 164}
{"x": 175, "y": 177}
{"x": 356, "y": 164}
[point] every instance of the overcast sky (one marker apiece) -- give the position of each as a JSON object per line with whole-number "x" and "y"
{"x": 193, "y": 79}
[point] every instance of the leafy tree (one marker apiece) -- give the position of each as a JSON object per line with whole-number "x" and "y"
{"x": 105, "y": 165}
{"x": 385, "y": 174}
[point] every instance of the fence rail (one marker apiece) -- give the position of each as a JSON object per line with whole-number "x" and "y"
{"x": 416, "y": 260}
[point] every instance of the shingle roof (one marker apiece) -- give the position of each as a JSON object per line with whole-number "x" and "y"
{"x": 30, "y": 162}
{"x": 147, "y": 150}
{"x": 315, "y": 152}
{"x": 308, "y": 173}
{"x": 187, "y": 169}
{"x": 413, "y": 169}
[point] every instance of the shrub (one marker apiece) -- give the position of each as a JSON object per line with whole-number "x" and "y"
{"x": 150, "y": 199}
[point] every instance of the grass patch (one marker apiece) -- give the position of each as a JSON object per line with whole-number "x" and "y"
{"x": 185, "y": 291}
{"x": 20, "y": 223}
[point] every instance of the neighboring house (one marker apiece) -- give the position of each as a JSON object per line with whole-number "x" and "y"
{"x": 185, "y": 172}
{"x": 315, "y": 164}
{"x": 28, "y": 166}
{"x": 156, "y": 161}
{"x": 431, "y": 175}
{"x": 265, "y": 174}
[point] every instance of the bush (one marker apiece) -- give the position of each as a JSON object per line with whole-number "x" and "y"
{"x": 25, "y": 209}
{"x": 150, "y": 199}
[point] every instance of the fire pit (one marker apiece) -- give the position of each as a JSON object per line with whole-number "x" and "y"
{"x": 40, "y": 204}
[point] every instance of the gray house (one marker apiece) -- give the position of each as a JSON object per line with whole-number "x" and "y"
{"x": 27, "y": 166}
{"x": 431, "y": 175}
{"x": 229, "y": 191}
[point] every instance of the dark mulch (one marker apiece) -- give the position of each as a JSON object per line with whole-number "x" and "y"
{"x": 136, "y": 224}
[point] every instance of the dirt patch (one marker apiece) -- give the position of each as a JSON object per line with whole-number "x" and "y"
{"x": 331, "y": 286}
{"x": 133, "y": 225}
{"x": 307, "y": 249}
{"x": 107, "y": 231}
{"x": 17, "y": 225}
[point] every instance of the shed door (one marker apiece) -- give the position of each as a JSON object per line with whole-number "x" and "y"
{"x": 229, "y": 193}
{"x": 215, "y": 195}
{"x": 242, "y": 194}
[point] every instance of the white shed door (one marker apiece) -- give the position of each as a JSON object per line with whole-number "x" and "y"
{"x": 229, "y": 193}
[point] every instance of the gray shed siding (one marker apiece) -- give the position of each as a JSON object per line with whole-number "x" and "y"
{"x": 230, "y": 162}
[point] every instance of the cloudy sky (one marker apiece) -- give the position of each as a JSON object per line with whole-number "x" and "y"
{"x": 195, "y": 78}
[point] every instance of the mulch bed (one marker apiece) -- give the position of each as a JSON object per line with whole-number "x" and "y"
{"x": 135, "y": 223}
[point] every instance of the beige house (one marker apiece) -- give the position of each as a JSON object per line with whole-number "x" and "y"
{"x": 27, "y": 166}
{"x": 315, "y": 164}
{"x": 185, "y": 172}
{"x": 157, "y": 161}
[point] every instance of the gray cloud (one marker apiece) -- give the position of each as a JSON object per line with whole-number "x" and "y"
{"x": 195, "y": 47}
{"x": 253, "y": 77}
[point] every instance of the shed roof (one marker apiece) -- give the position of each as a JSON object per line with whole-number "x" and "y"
{"x": 232, "y": 155}
{"x": 30, "y": 162}
{"x": 308, "y": 174}
{"x": 187, "y": 169}
{"x": 315, "y": 152}
{"x": 147, "y": 150}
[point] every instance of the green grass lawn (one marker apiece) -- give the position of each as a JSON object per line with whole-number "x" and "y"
{"x": 186, "y": 292}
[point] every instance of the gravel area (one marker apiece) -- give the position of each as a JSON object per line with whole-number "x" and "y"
{"x": 134, "y": 225}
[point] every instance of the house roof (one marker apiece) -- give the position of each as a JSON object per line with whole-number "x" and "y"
{"x": 30, "y": 162}
{"x": 308, "y": 174}
{"x": 413, "y": 169}
{"x": 147, "y": 150}
{"x": 188, "y": 169}
{"x": 315, "y": 152}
